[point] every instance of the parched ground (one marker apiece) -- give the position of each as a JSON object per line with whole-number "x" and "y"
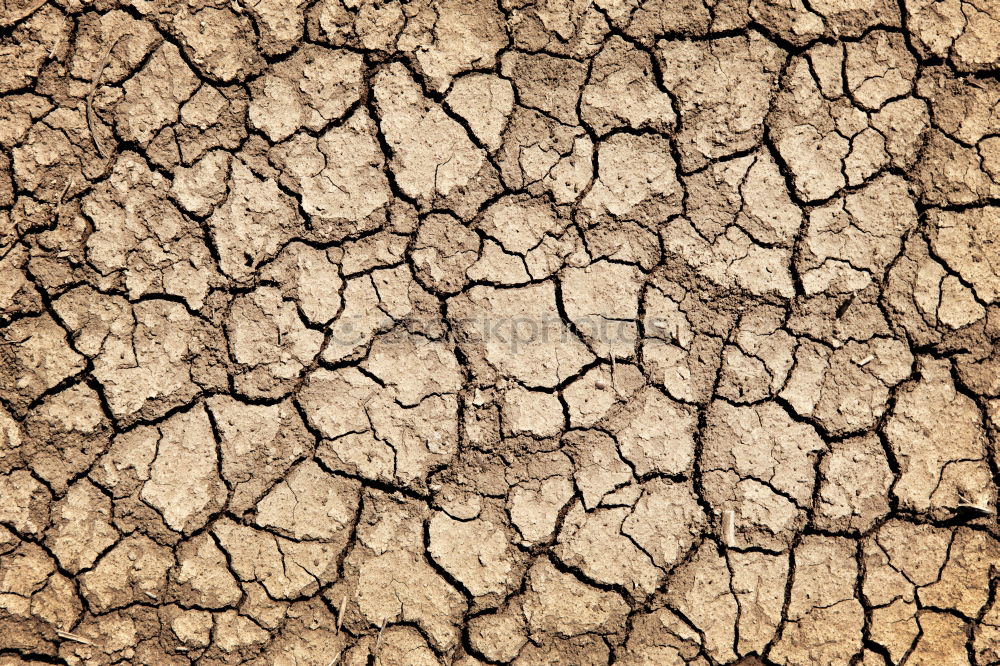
{"x": 470, "y": 332}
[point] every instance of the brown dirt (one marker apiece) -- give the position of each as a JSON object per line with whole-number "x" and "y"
{"x": 472, "y": 332}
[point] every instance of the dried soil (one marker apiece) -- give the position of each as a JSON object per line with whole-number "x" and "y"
{"x": 472, "y": 332}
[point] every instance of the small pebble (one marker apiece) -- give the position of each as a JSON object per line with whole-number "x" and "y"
{"x": 601, "y": 385}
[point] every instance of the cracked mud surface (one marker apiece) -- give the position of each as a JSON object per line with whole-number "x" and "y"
{"x": 473, "y": 332}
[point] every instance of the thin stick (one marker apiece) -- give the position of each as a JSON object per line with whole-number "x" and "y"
{"x": 72, "y": 637}
{"x": 59, "y": 204}
{"x": 54, "y": 47}
{"x": 378, "y": 639}
{"x": 90, "y": 96}
{"x": 34, "y": 7}
{"x": 340, "y": 613}
{"x": 62, "y": 197}
{"x": 729, "y": 527}
{"x": 614, "y": 367}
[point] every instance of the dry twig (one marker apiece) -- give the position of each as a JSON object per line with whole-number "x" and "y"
{"x": 25, "y": 13}
{"x": 90, "y": 96}
{"x": 340, "y": 613}
{"x": 378, "y": 639}
{"x": 73, "y": 637}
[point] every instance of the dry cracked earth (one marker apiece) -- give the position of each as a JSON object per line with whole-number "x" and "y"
{"x": 469, "y": 332}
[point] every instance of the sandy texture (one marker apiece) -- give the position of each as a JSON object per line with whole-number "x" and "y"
{"x": 534, "y": 332}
